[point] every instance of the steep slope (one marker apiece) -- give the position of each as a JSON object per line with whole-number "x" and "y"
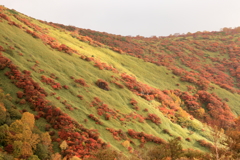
{"x": 87, "y": 94}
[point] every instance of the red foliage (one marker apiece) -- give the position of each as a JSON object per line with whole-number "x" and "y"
{"x": 147, "y": 137}
{"x": 118, "y": 134}
{"x": 119, "y": 85}
{"x": 22, "y": 101}
{"x": 4, "y": 62}
{"x": 60, "y": 121}
{"x": 4, "y": 16}
{"x": 81, "y": 81}
{"x": 95, "y": 119}
{"x": 206, "y": 144}
{"x": 66, "y": 49}
{"x": 122, "y": 119}
{"x": 66, "y": 87}
{"x": 107, "y": 116}
{"x": 133, "y": 102}
{"x": 145, "y": 110}
{"x": 9, "y": 148}
{"x": 154, "y": 118}
{"x": 220, "y": 113}
{"x": 1, "y": 48}
{"x": 51, "y": 82}
{"x": 20, "y": 94}
{"x": 103, "y": 84}
{"x": 103, "y": 109}
{"x": 80, "y": 97}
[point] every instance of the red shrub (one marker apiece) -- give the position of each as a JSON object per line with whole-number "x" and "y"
{"x": 81, "y": 81}
{"x": 22, "y": 101}
{"x": 9, "y": 148}
{"x": 188, "y": 139}
{"x": 4, "y": 62}
{"x": 154, "y": 118}
{"x": 66, "y": 87}
{"x": 133, "y": 102}
{"x": 80, "y": 97}
{"x": 1, "y": 48}
{"x": 20, "y": 94}
{"x": 103, "y": 84}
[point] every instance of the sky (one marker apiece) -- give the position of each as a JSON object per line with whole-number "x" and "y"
{"x": 134, "y": 17}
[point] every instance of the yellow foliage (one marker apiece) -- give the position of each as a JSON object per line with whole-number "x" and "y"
{"x": 28, "y": 119}
{"x": 34, "y": 140}
{"x": 17, "y": 145}
{"x": 126, "y": 144}
{"x": 64, "y": 145}
{"x": 26, "y": 149}
{"x": 21, "y": 135}
{"x": 56, "y": 156}
{"x": 200, "y": 112}
{"x": 46, "y": 139}
{"x": 75, "y": 158}
{"x": 22, "y": 149}
{"x": 175, "y": 98}
{"x": 16, "y": 127}
{"x": 2, "y": 107}
{"x": 26, "y": 133}
{"x": 3, "y": 114}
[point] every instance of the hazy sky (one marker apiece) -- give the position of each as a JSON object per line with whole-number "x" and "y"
{"x": 134, "y": 17}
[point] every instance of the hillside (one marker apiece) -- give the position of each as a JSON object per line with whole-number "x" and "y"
{"x": 90, "y": 90}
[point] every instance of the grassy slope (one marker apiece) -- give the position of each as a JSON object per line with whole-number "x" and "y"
{"x": 64, "y": 66}
{"x": 233, "y": 102}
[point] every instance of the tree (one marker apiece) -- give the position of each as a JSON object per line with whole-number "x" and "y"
{"x": 4, "y": 131}
{"x": 21, "y": 136}
{"x": 46, "y": 140}
{"x": 3, "y": 114}
{"x": 233, "y": 143}
{"x": 42, "y": 151}
{"x": 28, "y": 119}
{"x": 64, "y": 145}
{"x": 217, "y": 138}
{"x": 56, "y": 156}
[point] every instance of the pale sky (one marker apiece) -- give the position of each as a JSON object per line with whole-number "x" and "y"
{"x": 134, "y": 17}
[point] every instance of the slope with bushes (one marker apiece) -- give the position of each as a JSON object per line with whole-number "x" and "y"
{"x": 88, "y": 97}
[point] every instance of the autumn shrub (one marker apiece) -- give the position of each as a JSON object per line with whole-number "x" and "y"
{"x": 95, "y": 119}
{"x": 103, "y": 84}
{"x": 80, "y": 97}
{"x": 188, "y": 139}
{"x": 195, "y": 154}
{"x": 81, "y": 81}
{"x": 106, "y": 154}
{"x": 118, "y": 84}
{"x": 166, "y": 131}
{"x": 154, "y": 118}
{"x": 6, "y": 156}
{"x": 1, "y": 48}
{"x": 4, "y": 61}
{"x": 66, "y": 87}
{"x": 172, "y": 149}
{"x": 3, "y": 114}
{"x": 133, "y": 102}
{"x": 14, "y": 113}
{"x": 33, "y": 157}
{"x": 42, "y": 151}
{"x": 4, "y": 129}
